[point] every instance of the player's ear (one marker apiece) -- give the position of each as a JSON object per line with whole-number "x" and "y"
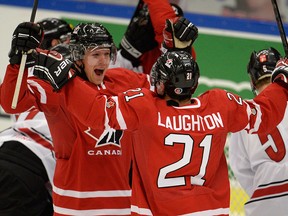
{"x": 160, "y": 88}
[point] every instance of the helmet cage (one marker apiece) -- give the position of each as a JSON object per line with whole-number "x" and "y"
{"x": 54, "y": 29}
{"x": 91, "y": 36}
{"x": 78, "y": 51}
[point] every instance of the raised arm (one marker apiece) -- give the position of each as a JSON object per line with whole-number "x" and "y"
{"x": 159, "y": 11}
{"x": 26, "y": 37}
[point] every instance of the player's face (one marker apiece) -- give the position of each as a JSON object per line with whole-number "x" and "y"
{"x": 96, "y": 61}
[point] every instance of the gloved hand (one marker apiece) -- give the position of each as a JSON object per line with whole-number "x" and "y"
{"x": 26, "y": 37}
{"x": 280, "y": 73}
{"x": 179, "y": 34}
{"x": 139, "y": 36}
{"x": 53, "y": 67}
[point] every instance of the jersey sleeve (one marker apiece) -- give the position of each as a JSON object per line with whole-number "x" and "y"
{"x": 253, "y": 115}
{"x": 122, "y": 79}
{"x": 159, "y": 11}
{"x": 33, "y": 92}
{"x": 268, "y": 108}
{"x": 25, "y": 100}
{"x": 99, "y": 111}
{"x": 135, "y": 80}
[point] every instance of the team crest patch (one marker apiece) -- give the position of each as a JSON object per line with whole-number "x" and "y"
{"x": 169, "y": 63}
{"x": 178, "y": 91}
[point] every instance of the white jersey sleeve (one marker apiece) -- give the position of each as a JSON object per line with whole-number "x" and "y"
{"x": 122, "y": 62}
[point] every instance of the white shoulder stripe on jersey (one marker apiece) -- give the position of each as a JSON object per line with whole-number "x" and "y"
{"x": 43, "y": 97}
{"x": 65, "y": 211}
{"x": 92, "y": 194}
{"x": 258, "y": 121}
{"x": 140, "y": 211}
{"x": 119, "y": 114}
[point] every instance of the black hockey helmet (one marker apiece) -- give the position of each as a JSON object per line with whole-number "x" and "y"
{"x": 91, "y": 35}
{"x": 261, "y": 65}
{"x": 179, "y": 72}
{"x": 54, "y": 28}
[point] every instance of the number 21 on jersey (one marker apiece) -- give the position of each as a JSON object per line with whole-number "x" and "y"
{"x": 187, "y": 157}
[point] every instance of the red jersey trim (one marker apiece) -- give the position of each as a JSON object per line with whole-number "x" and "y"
{"x": 266, "y": 191}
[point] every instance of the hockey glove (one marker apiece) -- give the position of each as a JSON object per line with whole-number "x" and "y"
{"x": 53, "y": 67}
{"x": 280, "y": 73}
{"x": 26, "y": 37}
{"x": 139, "y": 36}
{"x": 179, "y": 34}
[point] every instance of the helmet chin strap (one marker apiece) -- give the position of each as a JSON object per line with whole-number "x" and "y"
{"x": 81, "y": 68}
{"x": 160, "y": 89}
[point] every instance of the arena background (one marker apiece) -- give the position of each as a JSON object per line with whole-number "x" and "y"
{"x": 223, "y": 46}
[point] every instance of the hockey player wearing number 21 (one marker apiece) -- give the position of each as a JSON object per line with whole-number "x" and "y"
{"x": 179, "y": 165}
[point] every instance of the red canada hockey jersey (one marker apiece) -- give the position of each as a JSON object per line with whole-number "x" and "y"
{"x": 92, "y": 168}
{"x": 179, "y": 166}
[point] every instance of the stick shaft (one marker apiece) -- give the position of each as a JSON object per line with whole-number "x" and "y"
{"x": 19, "y": 81}
{"x": 280, "y": 26}
{"x": 23, "y": 63}
{"x": 33, "y": 14}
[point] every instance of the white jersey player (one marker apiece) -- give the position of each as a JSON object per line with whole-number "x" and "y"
{"x": 260, "y": 162}
{"x": 31, "y": 129}
{"x": 27, "y": 165}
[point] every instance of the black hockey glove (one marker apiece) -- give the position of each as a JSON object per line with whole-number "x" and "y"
{"x": 179, "y": 34}
{"x": 26, "y": 37}
{"x": 53, "y": 67}
{"x": 280, "y": 73}
{"x": 139, "y": 36}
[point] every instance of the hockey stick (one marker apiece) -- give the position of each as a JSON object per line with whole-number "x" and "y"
{"x": 22, "y": 64}
{"x": 280, "y": 26}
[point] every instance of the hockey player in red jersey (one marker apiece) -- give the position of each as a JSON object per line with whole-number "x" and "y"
{"x": 179, "y": 166}
{"x": 92, "y": 168}
{"x": 27, "y": 158}
{"x": 260, "y": 162}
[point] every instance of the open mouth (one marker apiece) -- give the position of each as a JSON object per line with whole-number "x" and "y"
{"x": 99, "y": 72}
